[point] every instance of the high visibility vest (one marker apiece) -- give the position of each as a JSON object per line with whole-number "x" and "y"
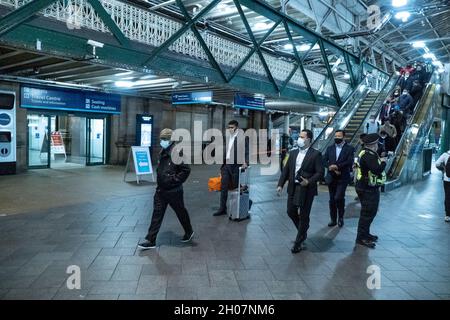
{"x": 373, "y": 180}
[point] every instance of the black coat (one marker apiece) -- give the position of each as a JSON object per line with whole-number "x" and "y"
{"x": 170, "y": 176}
{"x": 406, "y": 83}
{"x": 344, "y": 162}
{"x": 311, "y": 169}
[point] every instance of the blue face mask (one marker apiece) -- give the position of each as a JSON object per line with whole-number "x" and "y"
{"x": 164, "y": 144}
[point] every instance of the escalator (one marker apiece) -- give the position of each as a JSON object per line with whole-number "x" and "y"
{"x": 407, "y": 163}
{"x": 360, "y": 115}
{"x": 351, "y": 117}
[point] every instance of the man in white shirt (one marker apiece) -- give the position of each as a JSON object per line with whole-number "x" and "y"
{"x": 235, "y": 157}
{"x": 302, "y": 171}
{"x": 441, "y": 163}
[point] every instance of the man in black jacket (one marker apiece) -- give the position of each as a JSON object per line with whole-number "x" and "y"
{"x": 169, "y": 191}
{"x": 338, "y": 159}
{"x": 236, "y": 154}
{"x": 303, "y": 170}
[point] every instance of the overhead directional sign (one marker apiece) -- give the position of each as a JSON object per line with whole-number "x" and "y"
{"x": 249, "y": 102}
{"x": 68, "y": 99}
{"x": 200, "y": 97}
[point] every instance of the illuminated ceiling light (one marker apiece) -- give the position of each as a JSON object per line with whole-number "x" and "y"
{"x": 288, "y": 46}
{"x": 224, "y": 8}
{"x": 303, "y": 47}
{"x": 346, "y": 76}
{"x": 124, "y": 84}
{"x": 403, "y": 15}
{"x": 418, "y": 44}
{"x": 262, "y": 26}
{"x": 429, "y": 55}
{"x": 441, "y": 70}
{"x": 399, "y": 3}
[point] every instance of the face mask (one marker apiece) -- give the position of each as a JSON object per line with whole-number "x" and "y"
{"x": 383, "y": 136}
{"x": 338, "y": 140}
{"x": 301, "y": 142}
{"x": 164, "y": 144}
{"x": 405, "y": 93}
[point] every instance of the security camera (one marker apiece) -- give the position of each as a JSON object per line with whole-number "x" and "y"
{"x": 95, "y": 43}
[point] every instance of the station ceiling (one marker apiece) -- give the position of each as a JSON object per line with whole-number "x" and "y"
{"x": 429, "y": 22}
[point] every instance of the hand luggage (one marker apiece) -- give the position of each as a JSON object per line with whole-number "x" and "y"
{"x": 214, "y": 183}
{"x": 239, "y": 199}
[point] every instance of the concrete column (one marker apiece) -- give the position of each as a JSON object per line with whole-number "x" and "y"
{"x": 286, "y": 123}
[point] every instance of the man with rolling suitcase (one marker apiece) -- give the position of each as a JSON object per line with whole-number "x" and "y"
{"x": 236, "y": 155}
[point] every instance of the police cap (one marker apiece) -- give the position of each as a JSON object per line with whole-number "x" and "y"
{"x": 370, "y": 138}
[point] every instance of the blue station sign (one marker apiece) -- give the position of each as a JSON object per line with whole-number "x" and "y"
{"x": 200, "y": 97}
{"x": 68, "y": 99}
{"x": 249, "y": 102}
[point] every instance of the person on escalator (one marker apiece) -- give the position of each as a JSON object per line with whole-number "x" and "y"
{"x": 372, "y": 126}
{"x": 389, "y": 129}
{"x": 386, "y": 144}
{"x": 416, "y": 92}
{"x": 405, "y": 82}
{"x": 406, "y": 102}
{"x": 399, "y": 121}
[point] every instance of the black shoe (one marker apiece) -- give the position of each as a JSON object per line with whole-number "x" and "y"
{"x": 298, "y": 246}
{"x": 187, "y": 237}
{"x": 373, "y": 238}
{"x": 366, "y": 243}
{"x": 147, "y": 245}
{"x": 341, "y": 222}
{"x": 219, "y": 213}
{"x": 332, "y": 224}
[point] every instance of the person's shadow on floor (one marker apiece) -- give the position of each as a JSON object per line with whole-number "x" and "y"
{"x": 322, "y": 240}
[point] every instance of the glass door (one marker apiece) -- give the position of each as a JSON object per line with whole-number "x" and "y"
{"x": 38, "y": 141}
{"x": 95, "y": 141}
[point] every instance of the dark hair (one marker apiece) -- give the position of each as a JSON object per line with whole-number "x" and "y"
{"x": 233, "y": 123}
{"x": 309, "y": 133}
{"x": 340, "y": 130}
{"x": 362, "y": 135}
{"x": 383, "y": 132}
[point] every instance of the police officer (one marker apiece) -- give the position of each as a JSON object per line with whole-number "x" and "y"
{"x": 370, "y": 176}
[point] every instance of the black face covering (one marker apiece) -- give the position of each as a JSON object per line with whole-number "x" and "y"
{"x": 338, "y": 140}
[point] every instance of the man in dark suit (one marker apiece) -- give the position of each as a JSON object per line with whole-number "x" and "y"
{"x": 236, "y": 154}
{"x": 338, "y": 159}
{"x": 303, "y": 170}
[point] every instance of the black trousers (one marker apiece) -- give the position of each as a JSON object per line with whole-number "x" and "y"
{"x": 447, "y": 198}
{"x": 337, "y": 199}
{"x": 160, "y": 202}
{"x": 370, "y": 199}
{"x": 300, "y": 220}
{"x": 230, "y": 176}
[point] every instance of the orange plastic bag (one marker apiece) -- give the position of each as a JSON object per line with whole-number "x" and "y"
{"x": 214, "y": 183}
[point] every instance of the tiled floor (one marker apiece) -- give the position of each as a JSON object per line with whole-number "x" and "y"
{"x": 52, "y": 219}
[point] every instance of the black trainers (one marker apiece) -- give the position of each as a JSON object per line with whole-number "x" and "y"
{"x": 147, "y": 245}
{"x": 366, "y": 243}
{"x": 373, "y": 238}
{"x": 187, "y": 237}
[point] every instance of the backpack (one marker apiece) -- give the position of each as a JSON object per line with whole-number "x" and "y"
{"x": 447, "y": 167}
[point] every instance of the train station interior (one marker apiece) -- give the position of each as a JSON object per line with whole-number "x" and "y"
{"x": 90, "y": 88}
